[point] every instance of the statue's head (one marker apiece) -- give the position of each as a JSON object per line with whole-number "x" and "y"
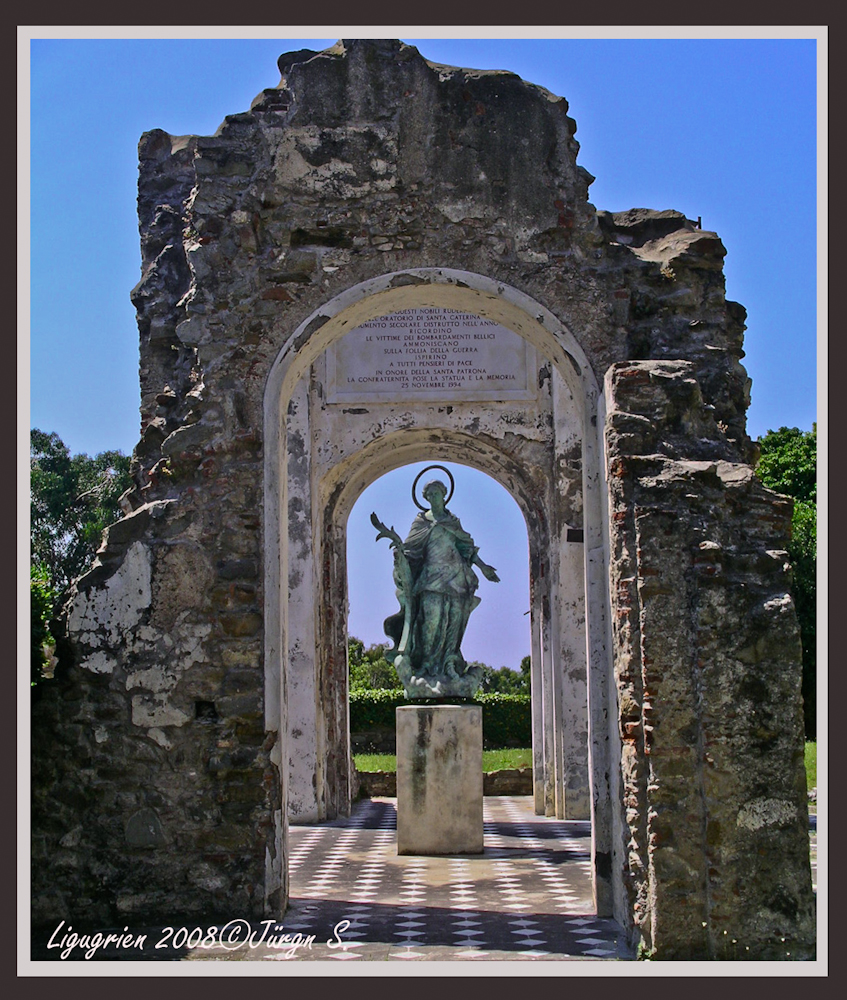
{"x": 435, "y": 486}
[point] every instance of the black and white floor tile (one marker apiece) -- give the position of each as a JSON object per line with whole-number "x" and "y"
{"x": 527, "y": 897}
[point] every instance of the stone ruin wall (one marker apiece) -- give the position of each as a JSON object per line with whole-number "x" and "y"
{"x": 157, "y": 786}
{"x": 706, "y": 652}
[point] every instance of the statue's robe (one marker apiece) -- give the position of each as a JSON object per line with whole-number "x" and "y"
{"x": 440, "y": 554}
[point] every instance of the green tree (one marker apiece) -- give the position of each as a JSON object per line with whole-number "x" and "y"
{"x": 788, "y": 464}
{"x": 42, "y": 597}
{"x": 72, "y": 499}
{"x": 369, "y": 669}
{"x": 505, "y": 680}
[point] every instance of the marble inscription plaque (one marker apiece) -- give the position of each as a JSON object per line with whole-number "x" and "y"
{"x": 430, "y": 354}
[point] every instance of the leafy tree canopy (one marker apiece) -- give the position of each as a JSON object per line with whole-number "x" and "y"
{"x": 788, "y": 464}
{"x": 505, "y": 680}
{"x": 42, "y": 597}
{"x": 369, "y": 670}
{"x": 72, "y": 499}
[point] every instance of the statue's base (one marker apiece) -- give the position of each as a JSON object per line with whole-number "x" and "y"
{"x": 439, "y": 779}
{"x": 462, "y": 685}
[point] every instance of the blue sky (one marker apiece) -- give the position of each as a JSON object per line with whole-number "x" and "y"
{"x": 723, "y": 129}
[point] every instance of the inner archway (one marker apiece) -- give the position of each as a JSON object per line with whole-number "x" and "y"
{"x": 499, "y": 630}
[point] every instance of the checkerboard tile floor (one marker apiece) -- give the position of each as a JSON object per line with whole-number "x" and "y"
{"x": 527, "y": 897}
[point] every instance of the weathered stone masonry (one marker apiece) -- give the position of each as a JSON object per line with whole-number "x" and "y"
{"x": 159, "y": 772}
{"x": 706, "y": 652}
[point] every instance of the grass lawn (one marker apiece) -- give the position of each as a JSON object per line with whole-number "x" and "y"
{"x": 492, "y": 760}
{"x": 811, "y": 759}
{"x": 498, "y": 760}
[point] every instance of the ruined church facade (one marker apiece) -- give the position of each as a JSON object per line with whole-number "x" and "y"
{"x": 201, "y": 704}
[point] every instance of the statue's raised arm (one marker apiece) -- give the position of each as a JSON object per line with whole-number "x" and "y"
{"x": 489, "y": 572}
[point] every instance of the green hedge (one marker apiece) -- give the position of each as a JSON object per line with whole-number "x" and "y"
{"x": 506, "y": 718}
{"x": 374, "y": 709}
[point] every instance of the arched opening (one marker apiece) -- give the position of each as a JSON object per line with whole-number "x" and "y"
{"x": 498, "y": 526}
{"x": 318, "y": 462}
{"x": 499, "y": 629}
{"x": 557, "y": 622}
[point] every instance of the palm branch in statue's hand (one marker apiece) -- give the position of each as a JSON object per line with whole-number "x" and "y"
{"x": 389, "y": 533}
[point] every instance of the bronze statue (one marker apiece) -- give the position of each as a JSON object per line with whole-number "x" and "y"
{"x": 436, "y": 586}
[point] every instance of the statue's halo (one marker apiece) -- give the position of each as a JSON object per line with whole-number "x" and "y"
{"x": 418, "y": 476}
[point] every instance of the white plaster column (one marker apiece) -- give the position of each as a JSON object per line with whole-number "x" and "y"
{"x": 604, "y": 739}
{"x": 568, "y": 573}
{"x": 304, "y": 752}
{"x": 537, "y": 704}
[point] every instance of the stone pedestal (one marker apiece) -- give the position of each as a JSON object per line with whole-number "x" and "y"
{"x": 439, "y": 779}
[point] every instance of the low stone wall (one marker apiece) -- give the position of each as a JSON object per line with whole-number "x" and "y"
{"x": 382, "y": 739}
{"x": 511, "y": 781}
{"x": 370, "y": 783}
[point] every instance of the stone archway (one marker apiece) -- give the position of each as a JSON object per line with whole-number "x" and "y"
{"x": 311, "y": 489}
